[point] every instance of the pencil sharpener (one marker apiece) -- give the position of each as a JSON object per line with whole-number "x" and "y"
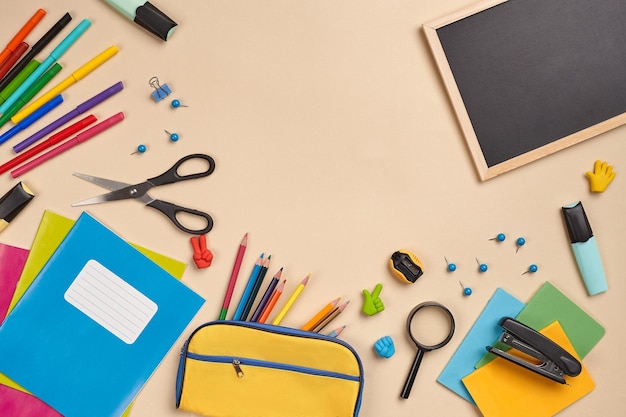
{"x": 406, "y": 266}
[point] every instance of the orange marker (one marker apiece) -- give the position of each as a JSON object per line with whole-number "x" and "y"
{"x": 320, "y": 315}
{"x": 19, "y": 37}
{"x": 270, "y": 305}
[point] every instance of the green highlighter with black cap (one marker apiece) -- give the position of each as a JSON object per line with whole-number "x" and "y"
{"x": 146, "y": 15}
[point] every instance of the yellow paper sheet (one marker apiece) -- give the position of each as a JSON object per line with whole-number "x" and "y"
{"x": 502, "y": 388}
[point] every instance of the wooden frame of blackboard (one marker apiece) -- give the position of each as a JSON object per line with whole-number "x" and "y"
{"x": 484, "y": 170}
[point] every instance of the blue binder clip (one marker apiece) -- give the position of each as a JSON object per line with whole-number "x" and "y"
{"x": 160, "y": 91}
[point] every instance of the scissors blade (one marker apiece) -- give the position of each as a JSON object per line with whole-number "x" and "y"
{"x": 102, "y": 182}
{"x": 125, "y": 192}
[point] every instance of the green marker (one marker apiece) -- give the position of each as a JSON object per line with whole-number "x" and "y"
{"x": 19, "y": 79}
{"x": 30, "y": 93}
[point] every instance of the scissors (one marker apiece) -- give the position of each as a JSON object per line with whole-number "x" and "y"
{"x": 123, "y": 191}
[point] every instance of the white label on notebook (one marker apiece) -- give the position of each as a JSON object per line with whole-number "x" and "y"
{"x": 110, "y": 301}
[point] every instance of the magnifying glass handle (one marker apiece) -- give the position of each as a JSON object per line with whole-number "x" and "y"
{"x": 411, "y": 378}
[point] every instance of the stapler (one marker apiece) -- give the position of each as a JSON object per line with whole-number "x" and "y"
{"x": 554, "y": 361}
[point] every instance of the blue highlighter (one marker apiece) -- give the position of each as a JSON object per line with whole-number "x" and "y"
{"x": 585, "y": 248}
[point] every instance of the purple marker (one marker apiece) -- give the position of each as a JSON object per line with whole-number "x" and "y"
{"x": 81, "y": 108}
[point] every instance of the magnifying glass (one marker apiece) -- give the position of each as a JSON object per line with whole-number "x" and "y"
{"x": 436, "y": 314}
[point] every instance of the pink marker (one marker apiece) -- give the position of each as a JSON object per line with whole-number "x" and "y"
{"x": 76, "y": 140}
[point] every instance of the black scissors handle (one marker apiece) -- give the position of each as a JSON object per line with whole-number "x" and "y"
{"x": 171, "y": 175}
{"x": 172, "y": 210}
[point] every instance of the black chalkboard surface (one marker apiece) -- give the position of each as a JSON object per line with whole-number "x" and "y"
{"x": 530, "y": 77}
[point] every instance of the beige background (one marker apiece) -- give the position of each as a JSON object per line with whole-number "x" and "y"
{"x": 335, "y": 145}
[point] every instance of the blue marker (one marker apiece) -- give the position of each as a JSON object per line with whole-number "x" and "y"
{"x": 47, "y": 63}
{"x": 32, "y": 118}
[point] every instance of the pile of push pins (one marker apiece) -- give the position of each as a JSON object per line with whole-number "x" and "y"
{"x": 159, "y": 93}
{"x": 483, "y": 267}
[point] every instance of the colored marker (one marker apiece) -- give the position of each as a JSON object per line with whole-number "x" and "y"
{"x": 146, "y": 15}
{"x": 12, "y": 58}
{"x": 80, "y": 109}
{"x": 585, "y": 248}
{"x": 52, "y": 140}
{"x": 19, "y": 79}
{"x": 41, "y": 112}
{"x": 47, "y": 63}
{"x": 21, "y": 35}
{"x": 37, "y": 47}
{"x": 77, "y": 75}
{"x": 30, "y": 93}
{"x": 12, "y": 203}
{"x": 65, "y": 146}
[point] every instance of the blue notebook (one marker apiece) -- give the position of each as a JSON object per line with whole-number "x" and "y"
{"x": 94, "y": 324}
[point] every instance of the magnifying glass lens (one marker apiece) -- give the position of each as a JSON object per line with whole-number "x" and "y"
{"x": 430, "y": 326}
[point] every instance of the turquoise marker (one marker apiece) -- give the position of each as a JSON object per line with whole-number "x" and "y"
{"x": 32, "y": 118}
{"x": 585, "y": 248}
{"x": 47, "y": 63}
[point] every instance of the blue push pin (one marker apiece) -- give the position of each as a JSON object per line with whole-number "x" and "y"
{"x": 482, "y": 267}
{"x": 500, "y": 237}
{"x": 467, "y": 291}
{"x": 520, "y": 242}
{"x": 451, "y": 266}
{"x": 173, "y": 136}
{"x": 532, "y": 269}
{"x": 176, "y": 104}
{"x": 140, "y": 149}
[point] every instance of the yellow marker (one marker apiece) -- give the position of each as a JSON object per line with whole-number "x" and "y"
{"x": 80, "y": 73}
{"x": 292, "y": 299}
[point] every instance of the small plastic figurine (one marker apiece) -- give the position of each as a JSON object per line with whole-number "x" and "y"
{"x": 372, "y": 304}
{"x": 601, "y": 176}
{"x": 384, "y": 347}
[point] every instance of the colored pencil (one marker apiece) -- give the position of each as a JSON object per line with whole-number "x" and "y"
{"x": 330, "y": 317}
{"x": 52, "y": 140}
{"x": 37, "y": 47}
{"x": 266, "y": 296}
{"x": 22, "y": 33}
{"x": 12, "y": 59}
{"x": 76, "y": 76}
{"x": 233, "y": 277}
{"x": 65, "y": 146}
{"x": 337, "y": 331}
{"x": 255, "y": 289}
{"x": 320, "y": 315}
{"x": 272, "y": 302}
{"x": 248, "y": 289}
{"x": 292, "y": 299}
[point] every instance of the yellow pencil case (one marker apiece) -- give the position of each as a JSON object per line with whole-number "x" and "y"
{"x": 247, "y": 369}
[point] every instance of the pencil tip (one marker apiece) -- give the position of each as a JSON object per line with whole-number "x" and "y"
{"x": 244, "y": 241}
{"x": 306, "y": 280}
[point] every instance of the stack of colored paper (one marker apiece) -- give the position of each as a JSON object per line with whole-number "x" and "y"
{"x": 497, "y": 386}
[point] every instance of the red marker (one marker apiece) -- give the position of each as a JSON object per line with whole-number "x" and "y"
{"x": 23, "y": 32}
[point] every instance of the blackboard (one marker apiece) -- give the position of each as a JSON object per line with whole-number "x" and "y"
{"x": 530, "y": 77}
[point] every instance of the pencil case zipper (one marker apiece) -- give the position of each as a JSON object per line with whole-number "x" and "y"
{"x": 238, "y": 363}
